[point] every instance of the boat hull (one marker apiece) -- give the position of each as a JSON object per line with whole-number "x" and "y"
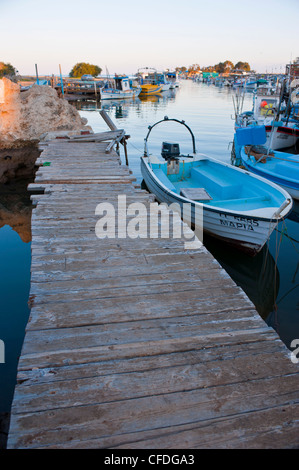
{"x": 112, "y": 94}
{"x": 150, "y": 89}
{"x": 248, "y": 233}
{"x": 283, "y": 137}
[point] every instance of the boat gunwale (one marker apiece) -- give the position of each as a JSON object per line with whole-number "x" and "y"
{"x": 222, "y": 210}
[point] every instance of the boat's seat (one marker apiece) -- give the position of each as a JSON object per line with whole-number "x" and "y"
{"x": 217, "y": 183}
{"x": 196, "y": 194}
{"x": 256, "y": 202}
{"x": 164, "y": 180}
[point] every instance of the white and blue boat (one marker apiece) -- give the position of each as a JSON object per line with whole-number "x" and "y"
{"x": 119, "y": 88}
{"x": 238, "y": 207}
{"x": 281, "y": 168}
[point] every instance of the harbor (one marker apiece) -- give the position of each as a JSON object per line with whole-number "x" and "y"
{"x": 127, "y": 344}
{"x": 181, "y": 328}
{"x": 149, "y": 229}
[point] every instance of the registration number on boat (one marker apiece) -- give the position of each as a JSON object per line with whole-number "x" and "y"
{"x": 240, "y": 223}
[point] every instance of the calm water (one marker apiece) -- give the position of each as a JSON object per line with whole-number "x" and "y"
{"x": 271, "y": 279}
{"x": 15, "y": 258}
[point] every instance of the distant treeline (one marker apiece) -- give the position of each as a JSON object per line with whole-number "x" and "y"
{"x": 222, "y": 67}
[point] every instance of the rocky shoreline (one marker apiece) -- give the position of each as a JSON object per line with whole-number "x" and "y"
{"x": 27, "y": 118}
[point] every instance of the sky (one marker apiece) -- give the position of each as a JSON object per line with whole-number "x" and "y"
{"x": 121, "y": 36}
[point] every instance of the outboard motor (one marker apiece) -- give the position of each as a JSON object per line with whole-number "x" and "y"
{"x": 170, "y": 151}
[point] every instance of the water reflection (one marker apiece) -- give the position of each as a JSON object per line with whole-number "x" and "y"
{"x": 16, "y": 208}
{"x": 15, "y": 260}
{"x": 284, "y": 245}
{"x": 120, "y": 109}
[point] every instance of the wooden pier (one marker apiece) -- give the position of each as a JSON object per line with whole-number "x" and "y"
{"x": 138, "y": 343}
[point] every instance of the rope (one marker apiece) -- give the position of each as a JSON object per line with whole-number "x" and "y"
{"x": 141, "y": 151}
{"x": 284, "y": 159}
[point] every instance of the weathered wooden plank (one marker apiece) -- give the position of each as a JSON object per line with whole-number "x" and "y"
{"x": 58, "y": 426}
{"x": 97, "y": 136}
{"x": 132, "y": 385}
{"x": 274, "y": 428}
{"x": 200, "y": 352}
{"x": 122, "y": 333}
{"x": 116, "y": 352}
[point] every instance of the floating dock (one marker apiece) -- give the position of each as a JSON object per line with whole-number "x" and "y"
{"x": 138, "y": 343}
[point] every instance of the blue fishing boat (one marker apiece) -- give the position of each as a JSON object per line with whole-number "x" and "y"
{"x": 238, "y": 207}
{"x": 281, "y": 168}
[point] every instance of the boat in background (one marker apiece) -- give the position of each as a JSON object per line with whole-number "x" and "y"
{"x": 159, "y": 78}
{"x": 150, "y": 89}
{"x": 172, "y": 77}
{"x": 147, "y": 77}
{"x": 238, "y": 207}
{"x": 118, "y": 88}
{"x": 265, "y": 109}
{"x": 276, "y": 107}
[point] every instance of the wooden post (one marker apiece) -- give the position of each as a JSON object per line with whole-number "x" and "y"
{"x": 62, "y": 90}
{"x": 37, "y": 79}
{"x": 124, "y": 142}
{"x": 113, "y": 127}
{"x": 108, "y": 120}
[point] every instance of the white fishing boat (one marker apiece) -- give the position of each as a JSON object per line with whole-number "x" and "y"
{"x": 276, "y": 108}
{"x": 285, "y": 132}
{"x": 119, "y": 88}
{"x": 172, "y": 78}
{"x": 238, "y": 207}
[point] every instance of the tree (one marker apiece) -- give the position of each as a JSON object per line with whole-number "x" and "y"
{"x": 220, "y": 68}
{"x": 180, "y": 69}
{"x": 83, "y": 68}
{"x": 228, "y": 66}
{"x": 210, "y": 69}
{"x": 244, "y": 66}
{"x": 7, "y": 70}
{"x": 194, "y": 68}
{"x": 224, "y": 67}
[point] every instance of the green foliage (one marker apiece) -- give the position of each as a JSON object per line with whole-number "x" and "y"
{"x": 244, "y": 66}
{"x": 210, "y": 69}
{"x": 224, "y": 67}
{"x": 7, "y": 70}
{"x": 83, "y": 68}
